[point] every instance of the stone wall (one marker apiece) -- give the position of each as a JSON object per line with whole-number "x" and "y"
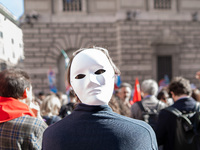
{"x": 134, "y": 46}
{"x": 139, "y": 40}
{"x": 43, "y": 44}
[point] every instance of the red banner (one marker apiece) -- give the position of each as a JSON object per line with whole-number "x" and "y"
{"x": 137, "y": 93}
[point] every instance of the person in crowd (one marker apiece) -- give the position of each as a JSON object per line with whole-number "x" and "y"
{"x": 197, "y": 75}
{"x": 93, "y": 124}
{"x": 35, "y": 107}
{"x": 68, "y": 108}
{"x": 164, "y": 97}
{"x": 180, "y": 90}
{"x": 114, "y": 104}
{"x": 50, "y": 109}
{"x": 123, "y": 95}
{"x": 19, "y": 127}
{"x": 62, "y": 97}
{"x": 196, "y": 94}
{"x": 149, "y": 89}
{"x": 39, "y": 99}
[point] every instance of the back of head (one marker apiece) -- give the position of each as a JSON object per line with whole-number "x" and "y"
{"x": 41, "y": 95}
{"x": 163, "y": 95}
{"x": 180, "y": 86}
{"x": 13, "y": 82}
{"x": 50, "y": 106}
{"x": 150, "y": 87}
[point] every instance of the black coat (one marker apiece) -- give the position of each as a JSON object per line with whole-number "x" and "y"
{"x": 98, "y": 128}
{"x": 166, "y": 126}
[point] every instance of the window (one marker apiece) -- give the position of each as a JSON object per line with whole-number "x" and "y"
{"x": 164, "y": 67}
{"x": 12, "y": 41}
{"x": 13, "y": 54}
{"x": 72, "y": 5}
{"x": 1, "y": 34}
{"x": 162, "y": 4}
{"x": 3, "y": 66}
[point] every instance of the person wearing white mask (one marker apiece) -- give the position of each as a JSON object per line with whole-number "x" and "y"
{"x": 93, "y": 125}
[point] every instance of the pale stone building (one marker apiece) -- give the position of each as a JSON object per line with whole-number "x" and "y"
{"x": 146, "y": 38}
{"x": 11, "y": 40}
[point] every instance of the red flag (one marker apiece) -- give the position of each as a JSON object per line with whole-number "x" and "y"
{"x": 117, "y": 82}
{"x": 137, "y": 93}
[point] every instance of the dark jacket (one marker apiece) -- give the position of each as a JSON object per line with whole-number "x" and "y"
{"x": 66, "y": 109}
{"x": 165, "y": 131}
{"x": 51, "y": 119}
{"x": 98, "y": 128}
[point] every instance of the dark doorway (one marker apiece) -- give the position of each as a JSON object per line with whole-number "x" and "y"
{"x": 164, "y": 67}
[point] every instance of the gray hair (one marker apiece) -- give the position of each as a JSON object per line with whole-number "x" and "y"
{"x": 124, "y": 84}
{"x": 149, "y": 86}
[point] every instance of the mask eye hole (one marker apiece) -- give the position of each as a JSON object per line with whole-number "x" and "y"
{"x": 80, "y": 76}
{"x": 100, "y": 71}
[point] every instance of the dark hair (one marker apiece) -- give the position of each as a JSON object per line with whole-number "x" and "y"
{"x": 162, "y": 95}
{"x": 179, "y": 86}
{"x": 13, "y": 82}
{"x": 41, "y": 93}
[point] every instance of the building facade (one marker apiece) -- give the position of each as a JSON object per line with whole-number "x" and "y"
{"x": 11, "y": 40}
{"x": 145, "y": 38}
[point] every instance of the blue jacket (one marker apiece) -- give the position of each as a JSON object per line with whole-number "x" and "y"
{"x": 99, "y": 128}
{"x": 166, "y": 125}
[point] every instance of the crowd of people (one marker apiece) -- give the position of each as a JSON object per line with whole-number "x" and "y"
{"x": 93, "y": 115}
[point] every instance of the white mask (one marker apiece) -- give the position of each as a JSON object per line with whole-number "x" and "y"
{"x": 92, "y": 77}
